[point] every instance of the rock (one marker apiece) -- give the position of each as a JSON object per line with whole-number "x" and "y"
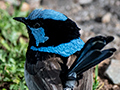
{"x": 117, "y": 40}
{"x": 33, "y": 3}
{"x": 113, "y": 71}
{"x": 115, "y": 87}
{"x": 106, "y": 18}
{"x": 57, "y": 3}
{"x": 117, "y": 25}
{"x": 75, "y": 1}
{"x": 114, "y": 9}
{"x": 13, "y": 2}
{"x": 25, "y": 7}
{"x": 2, "y": 5}
{"x": 85, "y": 1}
{"x": 117, "y": 3}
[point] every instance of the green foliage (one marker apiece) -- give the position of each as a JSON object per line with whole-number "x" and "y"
{"x": 13, "y": 46}
{"x": 96, "y": 82}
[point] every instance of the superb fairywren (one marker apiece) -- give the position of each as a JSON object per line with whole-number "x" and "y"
{"x": 54, "y": 38}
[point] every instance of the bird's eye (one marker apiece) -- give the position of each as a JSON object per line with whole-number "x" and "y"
{"x": 37, "y": 25}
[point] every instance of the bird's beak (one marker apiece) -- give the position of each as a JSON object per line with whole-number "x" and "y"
{"x": 20, "y": 19}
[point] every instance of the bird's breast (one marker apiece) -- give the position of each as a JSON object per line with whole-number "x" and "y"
{"x": 46, "y": 74}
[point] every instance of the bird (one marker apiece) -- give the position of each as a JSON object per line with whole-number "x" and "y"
{"x": 53, "y": 39}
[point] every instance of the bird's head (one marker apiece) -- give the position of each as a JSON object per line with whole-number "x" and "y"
{"x": 49, "y": 28}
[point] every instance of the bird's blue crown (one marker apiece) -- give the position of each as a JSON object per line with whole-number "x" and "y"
{"x": 39, "y": 33}
{"x": 46, "y": 14}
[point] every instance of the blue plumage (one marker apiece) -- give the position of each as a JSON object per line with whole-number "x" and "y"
{"x": 64, "y": 49}
{"x": 39, "y": 35}
{"x": 47, "y": 14}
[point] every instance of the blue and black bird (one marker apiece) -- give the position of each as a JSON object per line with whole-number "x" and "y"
{"x": 54, "y": 38}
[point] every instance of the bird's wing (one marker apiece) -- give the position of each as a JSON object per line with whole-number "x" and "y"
{"x": 46, "y": 76}
{"x": 91, "y": 54}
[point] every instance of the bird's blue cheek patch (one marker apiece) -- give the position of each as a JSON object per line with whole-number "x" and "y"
{"x": 39, "y": 35}
{"x": 64, "y": 49}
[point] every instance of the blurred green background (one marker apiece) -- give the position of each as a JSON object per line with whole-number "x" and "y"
{"x": 13, "y": 46}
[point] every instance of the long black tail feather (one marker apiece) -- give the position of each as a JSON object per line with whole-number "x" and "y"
{"x": 86, "y": 59}
{"x": 94, "y": 43}
{"x": 91, "y": 54}
{"x": 104, "y": 54}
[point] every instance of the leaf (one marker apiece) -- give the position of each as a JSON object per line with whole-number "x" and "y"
{"x": 4, "y": 89}
{"x": 5, "y": 44}
{"x": 21, "y": 86}
{"x": 3, "y": 54}
{"x": 13, "y": 37}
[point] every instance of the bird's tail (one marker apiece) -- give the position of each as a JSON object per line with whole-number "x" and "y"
{"x": 90, "y": 55}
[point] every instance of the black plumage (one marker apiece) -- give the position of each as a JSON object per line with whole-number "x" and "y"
{"x": 58, "y": 31}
